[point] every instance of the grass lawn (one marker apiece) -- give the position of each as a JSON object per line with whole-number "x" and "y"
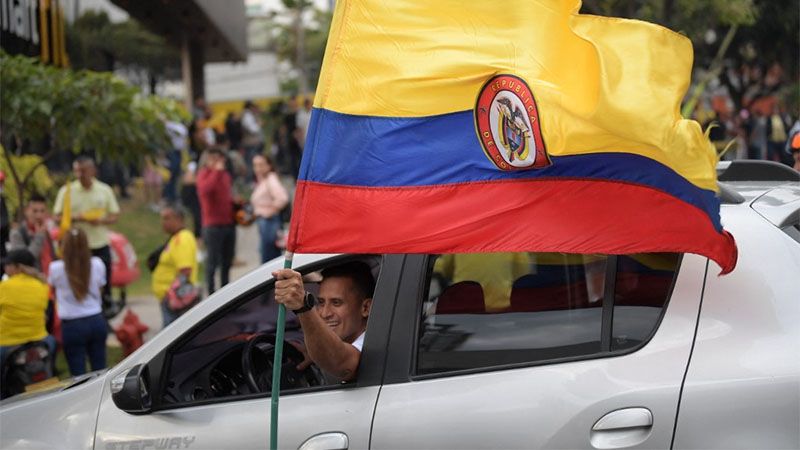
{"x": 142, "y": 227}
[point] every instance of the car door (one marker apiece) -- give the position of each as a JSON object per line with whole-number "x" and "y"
{"x": 205, "y": 417}
{"x": 557, "y": 368}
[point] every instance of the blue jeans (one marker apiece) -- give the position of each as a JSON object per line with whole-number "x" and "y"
{"x": 82, "y": 337}
{"x": 167, "y": 316}
{"x": 268, "y": 231}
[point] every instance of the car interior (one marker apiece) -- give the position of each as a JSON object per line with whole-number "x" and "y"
{"x": 543, "y": 307}
{"x": 231, "y": 353}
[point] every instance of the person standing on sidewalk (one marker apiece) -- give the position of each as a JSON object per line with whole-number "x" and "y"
{"x": 77, "y": 279}
{"x": 268, "y": 199}
{"x": 178, "y": 259}
{"x": 214, "y": 187}
{"x": 93, "y": 208}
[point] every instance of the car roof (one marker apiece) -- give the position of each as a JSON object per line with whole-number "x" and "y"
{"x": 769, "y": 188}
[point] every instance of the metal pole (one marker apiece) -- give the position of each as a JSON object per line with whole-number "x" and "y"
{"x": 276, "y": 365}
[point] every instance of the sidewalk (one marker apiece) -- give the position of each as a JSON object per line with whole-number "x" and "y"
{"x": 148, "y": 308}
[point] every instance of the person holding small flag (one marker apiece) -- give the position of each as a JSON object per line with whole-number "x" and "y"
{"x": 90, "y": 205}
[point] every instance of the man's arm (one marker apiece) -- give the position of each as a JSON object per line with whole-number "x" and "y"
{"x": 324, "y": 347}
{"x": 110, "y": 219}
{"x": 35, "y": 244}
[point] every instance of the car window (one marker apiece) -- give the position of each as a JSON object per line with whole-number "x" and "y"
{"x": 230, "y": 355}
{"x": 495, "y": 309}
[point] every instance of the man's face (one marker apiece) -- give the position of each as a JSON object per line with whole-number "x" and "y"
{"x": 36, "y": 212}
{"x": 83, "y": 171}
{"x": 342, "y": 309}
{"x": 213, "y": 159}
{"x": 11, "y": 269}
{"x": 170, "y": 221}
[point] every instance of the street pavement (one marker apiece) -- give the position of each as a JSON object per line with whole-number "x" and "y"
{"x": 148, "y": 308}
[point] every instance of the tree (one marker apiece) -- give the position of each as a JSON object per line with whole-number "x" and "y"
{"x": 95, "y": 43}
{"x": 759, "y": 36}
{"x": 46, "y": 110}
{"x": 298, "y": 35}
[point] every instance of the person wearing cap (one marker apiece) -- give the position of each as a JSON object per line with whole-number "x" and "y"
{"x": 24, "y": 298}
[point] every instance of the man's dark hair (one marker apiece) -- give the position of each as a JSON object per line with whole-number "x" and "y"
{"x": 84, "y": 159}
{"x": 216, "y": 151}
{"x": 176, "y": 209}
{"x": 37, "y": 198}
{"x": 358, "y": 271}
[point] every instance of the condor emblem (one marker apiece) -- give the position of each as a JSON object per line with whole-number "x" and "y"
{"x": 507, "y": 122}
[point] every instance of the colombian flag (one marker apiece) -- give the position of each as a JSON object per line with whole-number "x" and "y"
{"x": 468, "y": 126}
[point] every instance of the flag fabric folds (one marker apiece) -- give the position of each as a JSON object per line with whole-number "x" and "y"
{"x": 66, "y": 211}
{"x": 451, "y": 126}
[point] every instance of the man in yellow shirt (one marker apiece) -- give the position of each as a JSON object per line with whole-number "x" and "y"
{"x": 93, "y": 207}
{"x": 23, "y": 304}
{"x": 178, "y": 259}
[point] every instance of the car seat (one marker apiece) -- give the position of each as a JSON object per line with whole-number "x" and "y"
{"x": 464, "y": 297}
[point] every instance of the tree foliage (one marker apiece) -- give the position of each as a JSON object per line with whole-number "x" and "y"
{"x": 764, "y": 37}
{"x": 302, "y": 49}
{"x": 39, "y": 181}
{"x": 95, "y": 43}
{"x": 45, "y": 110}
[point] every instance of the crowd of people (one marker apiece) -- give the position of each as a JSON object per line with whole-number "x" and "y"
{"x": 756, "y": 135}
{"x": 58, "y": 264}
{"x": 214, "y": 178}
{"x": 57, "y": 286}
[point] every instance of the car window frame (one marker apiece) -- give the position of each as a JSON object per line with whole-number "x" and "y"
{"x": 403, "y": 345}
{"x": 371, "y": 365}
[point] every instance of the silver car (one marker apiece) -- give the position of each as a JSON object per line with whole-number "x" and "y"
{"x": 533, "y": 350}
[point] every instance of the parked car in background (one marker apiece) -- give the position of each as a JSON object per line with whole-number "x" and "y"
{"x": 579, "y": 351}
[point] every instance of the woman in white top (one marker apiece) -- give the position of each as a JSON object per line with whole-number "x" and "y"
{"x": 268, "y": 199}
{"x": 77, "y": 280}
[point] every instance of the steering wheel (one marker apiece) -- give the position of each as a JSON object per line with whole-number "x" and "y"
{"x": 257, "y": 357}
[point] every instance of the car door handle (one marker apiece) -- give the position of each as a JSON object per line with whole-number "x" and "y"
{"x": 326, "y": 441}
{"x": 622, "y": 428}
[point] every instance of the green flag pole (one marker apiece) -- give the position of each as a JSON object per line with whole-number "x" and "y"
{"x": 280, "y": 325}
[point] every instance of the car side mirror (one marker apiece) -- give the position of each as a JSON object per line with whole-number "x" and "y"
{"x": 131, "y": 390}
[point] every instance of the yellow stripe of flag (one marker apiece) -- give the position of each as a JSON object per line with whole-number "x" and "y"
{"x": 602, "y": 84}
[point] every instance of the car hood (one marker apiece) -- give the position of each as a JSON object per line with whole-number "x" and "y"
{"x": 49, "y": 389}
{"x": 72, "y": 404}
